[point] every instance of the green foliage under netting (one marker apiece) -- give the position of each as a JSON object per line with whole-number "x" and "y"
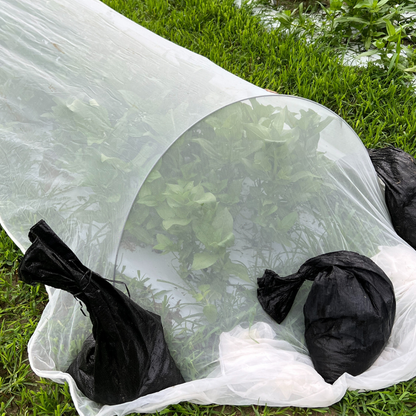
{"x": 378, "y": 104}
{"x": 240, "y": 177}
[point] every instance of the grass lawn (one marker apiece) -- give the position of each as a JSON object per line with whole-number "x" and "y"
{"x": 379, "y": 106}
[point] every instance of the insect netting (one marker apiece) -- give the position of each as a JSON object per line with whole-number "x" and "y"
{"x": 165, "y": 172}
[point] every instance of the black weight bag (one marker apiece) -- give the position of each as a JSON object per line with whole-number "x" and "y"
{"x": 397, "y": 169}
{"x": 126, "y": 356}
{"x": 349, "y": 312}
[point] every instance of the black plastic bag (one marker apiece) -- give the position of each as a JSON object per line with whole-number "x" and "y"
{"x": 349, "y": 312}
{"x": 126, "y": 356}
{"x": 397, "y": 169}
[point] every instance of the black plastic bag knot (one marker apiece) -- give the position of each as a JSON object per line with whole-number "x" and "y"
{"x": 126, "y": 355}
{"x": 349, "y": 312}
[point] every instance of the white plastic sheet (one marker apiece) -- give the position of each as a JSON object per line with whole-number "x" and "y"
{"x": 162, "y": 170}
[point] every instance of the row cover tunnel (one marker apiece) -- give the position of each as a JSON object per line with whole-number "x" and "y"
{"x": 167, "y": 173}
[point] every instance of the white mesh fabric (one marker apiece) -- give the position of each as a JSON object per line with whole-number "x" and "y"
{"x": 80, "y": 82}
{"x": 112, "y": 135}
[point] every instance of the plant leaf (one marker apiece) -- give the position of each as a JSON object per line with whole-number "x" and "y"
{"x": 203, "y": 260}
{"x": 390, "y": 28}
{"x": 210, "y": 312}
{"x": 288, "y": 221}
{"x": 164, "y": 243}
{"x": 351, "y": 19}
{"x": 176, "y": 221}
{"x": 238, "y": 270}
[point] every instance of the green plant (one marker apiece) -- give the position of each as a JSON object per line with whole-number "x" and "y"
{"x": 294, "y": 20}
{"x": 9, "y": 253}
{"x": 379, "y": 27}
